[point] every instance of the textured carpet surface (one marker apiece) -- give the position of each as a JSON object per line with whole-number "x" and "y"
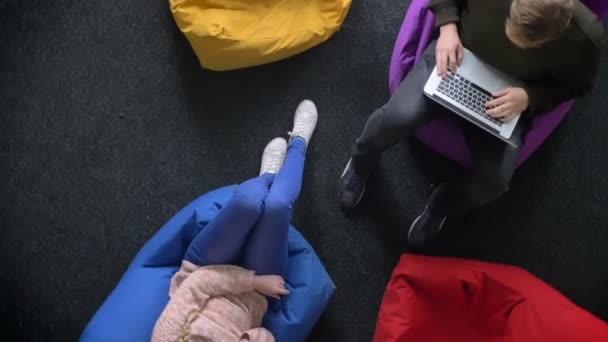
{"x": 109, "y": 126}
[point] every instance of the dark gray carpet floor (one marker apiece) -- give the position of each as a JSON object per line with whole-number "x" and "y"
{"x": 109, "y": 126}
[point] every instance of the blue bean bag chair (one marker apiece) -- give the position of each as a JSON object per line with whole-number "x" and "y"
{"x": 131, "y": 310}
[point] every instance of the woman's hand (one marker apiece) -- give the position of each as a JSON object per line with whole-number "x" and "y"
{"x": 507, "y": 104}
{"x": 449, "y": 51}
{"x": 270, "y": 285}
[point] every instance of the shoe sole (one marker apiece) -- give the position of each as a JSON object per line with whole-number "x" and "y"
{"x": 409, "y": 233}
{"x": 362, "y": 191}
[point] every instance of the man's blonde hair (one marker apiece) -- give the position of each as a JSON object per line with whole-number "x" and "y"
{"x": 533, "y": 22}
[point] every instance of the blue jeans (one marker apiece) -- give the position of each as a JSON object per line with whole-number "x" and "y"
{"x": 251, "y": 229}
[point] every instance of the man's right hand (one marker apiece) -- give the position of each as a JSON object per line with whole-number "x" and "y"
{"x": 449, "y": 50}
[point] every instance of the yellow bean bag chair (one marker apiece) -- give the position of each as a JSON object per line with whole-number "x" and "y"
{"x": 232, "y": 34}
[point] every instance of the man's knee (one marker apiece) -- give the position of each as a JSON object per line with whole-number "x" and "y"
{"x": 404, "y": 114}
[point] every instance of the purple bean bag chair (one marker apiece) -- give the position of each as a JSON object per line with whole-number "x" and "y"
{"x": 444, "y": 133}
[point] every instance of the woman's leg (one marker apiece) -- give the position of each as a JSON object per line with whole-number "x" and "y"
{"x": 223, "y": 238}
{"x": 266, "y": 250}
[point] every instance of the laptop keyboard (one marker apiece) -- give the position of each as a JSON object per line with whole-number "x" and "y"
{"x": 467, "y": 94}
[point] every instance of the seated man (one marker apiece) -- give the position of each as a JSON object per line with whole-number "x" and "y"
{"x": 550, "y": 45}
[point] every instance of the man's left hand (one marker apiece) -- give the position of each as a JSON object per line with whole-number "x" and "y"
{"x": 507, "y": 104}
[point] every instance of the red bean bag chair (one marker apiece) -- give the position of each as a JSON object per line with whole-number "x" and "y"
{"x": 432, "y": 299}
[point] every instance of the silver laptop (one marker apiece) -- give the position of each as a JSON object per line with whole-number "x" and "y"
{"x": 466, "y": 92}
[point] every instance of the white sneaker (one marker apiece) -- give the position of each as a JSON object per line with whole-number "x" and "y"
{"x": 304, "y": 120}
{"x": 273, "y": 156}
